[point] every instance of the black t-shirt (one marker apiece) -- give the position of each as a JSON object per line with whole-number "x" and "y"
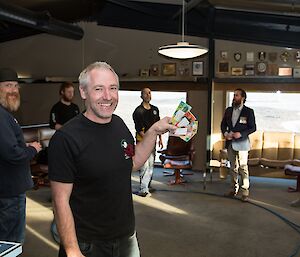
{"x": 97, "y": 159}
{"x": 61, "y": 113}
{"x": 144, "y": 119}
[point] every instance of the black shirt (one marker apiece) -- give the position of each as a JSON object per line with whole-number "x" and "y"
{"x": 97, "y": 159}
{"x": 61, "y": 113}
{"x": 144, "y": 119}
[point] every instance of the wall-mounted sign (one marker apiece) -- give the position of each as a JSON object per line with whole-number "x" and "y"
{"x": 272, "y": 69}
{"x": 237, "y": 56}
{"x": 250, "y": 57}
{"x": 285, "y": 56}
{"x": 144, "y": 72}
{"x": 237, "y": 71}
{"x": 297, "y": 56}
{"x": 197, "y": 68}
{"x": 285, "y": 71}
{"x": 272, "y": 56}
{"x": 249, "y": 70}
{"x": 261, "y": 56}
{"x": 296, "y": 72}
{"x": 224, "y": 55}
{"x": 261, "y": 68}
{"x": 168, "y": 69}
{"x": 154, "y": 70}
{"x": 223, "y": 67}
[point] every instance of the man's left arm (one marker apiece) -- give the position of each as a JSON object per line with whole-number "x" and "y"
{"x": 144, "y": 148}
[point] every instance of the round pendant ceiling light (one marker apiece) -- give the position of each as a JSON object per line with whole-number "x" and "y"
{"x": 182, "y": 50}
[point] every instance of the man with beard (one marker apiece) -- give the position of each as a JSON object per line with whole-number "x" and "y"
{"x": 144, "y": 116}
{"x": 15, "y": 176}
{"x": 90, "y": 163}
{"x": 237, "y": 124}
{"x": 64, "y": 110}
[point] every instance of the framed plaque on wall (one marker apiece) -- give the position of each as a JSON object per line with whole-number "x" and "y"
{"x": 223, "y": 67}
{"x": 198, "y": 69}
{"x": 168, "y": 69}
{"x": 261, "y": 68}
{"x": 237, "y": 71}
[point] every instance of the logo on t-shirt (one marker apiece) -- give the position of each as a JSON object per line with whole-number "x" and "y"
{"x": 154, "y": 112}
{"x": 128, "y": 149}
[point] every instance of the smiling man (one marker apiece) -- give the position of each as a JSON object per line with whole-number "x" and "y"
{"x": 90, "y": 163}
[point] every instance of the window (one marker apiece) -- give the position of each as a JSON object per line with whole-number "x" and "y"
{"x": 274, "y": 111}
{"x": 165, "y": 101}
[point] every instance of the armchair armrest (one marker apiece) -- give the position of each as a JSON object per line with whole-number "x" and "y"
{"x": 176, "y": 157}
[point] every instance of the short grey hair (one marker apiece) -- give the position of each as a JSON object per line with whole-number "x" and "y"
{"x": 84, "y": 77}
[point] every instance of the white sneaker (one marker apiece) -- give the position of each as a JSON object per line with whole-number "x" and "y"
{"x": 296, "y": 203}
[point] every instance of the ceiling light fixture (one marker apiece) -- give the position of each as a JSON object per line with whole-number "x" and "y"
{"x": 182, "y": 50}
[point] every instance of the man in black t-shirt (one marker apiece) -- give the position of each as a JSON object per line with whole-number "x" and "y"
{"x": 64, "y": 110}
{"x": 90, "y": 163}
{"x": 144, "y": 116}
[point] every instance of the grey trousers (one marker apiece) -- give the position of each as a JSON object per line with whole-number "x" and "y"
{"x": 239, "y": 165}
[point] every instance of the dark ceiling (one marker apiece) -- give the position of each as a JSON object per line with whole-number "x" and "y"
{"x": 275, "y": 22}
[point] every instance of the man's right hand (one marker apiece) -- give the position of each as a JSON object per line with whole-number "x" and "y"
{"x": 228, "y": 136}
{"x": 36, "y": 145}
{"x": 75, "y": 254}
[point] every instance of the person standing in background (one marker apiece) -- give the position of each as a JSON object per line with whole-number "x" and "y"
{"x": 237, "y": 124}
{"x": 144, "y": 116}
{"x": 64, "y": 110}
{"x": 15, "y": 155}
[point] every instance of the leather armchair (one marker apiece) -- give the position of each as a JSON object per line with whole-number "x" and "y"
{"x": 178, "y": 156}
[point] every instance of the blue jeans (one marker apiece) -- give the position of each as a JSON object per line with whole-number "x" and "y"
{"x": 122, "y": 247}
{"x": 12, "y": 218}
{"x": 146, "y": 173}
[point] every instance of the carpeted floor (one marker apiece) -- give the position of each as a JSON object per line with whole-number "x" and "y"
{"x": 186, "y": 220}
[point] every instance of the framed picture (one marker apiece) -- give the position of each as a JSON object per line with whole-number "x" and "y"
{"x": 168, "y": 69}
{"x": 285, "y": 71}
{"x": 249, "y": 70}
{"x": 237, "y": 71}
{"x": 296, "y": 72}
{"x": 250, "y": 57}
{"x": 144, "y": 72}
{"x": 237, "y": 56}
{"x": 183, "y": 71}
{"x": 223, "y": 55}
{"x": 272, "y": 56}
{"x": 154, "y": 70}
{"x": 223, "y": 67}
{"x": 272, "y": 69}
{"x": 297, "y": 56}
{"x": 197, "y": 68}
{"x": 261, "y": 68}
